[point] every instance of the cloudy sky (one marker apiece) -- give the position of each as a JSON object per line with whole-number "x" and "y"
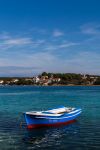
{"x": 49, "y": 35}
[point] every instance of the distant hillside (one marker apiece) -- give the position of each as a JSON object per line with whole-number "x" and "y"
{"x": 53, "y": 79}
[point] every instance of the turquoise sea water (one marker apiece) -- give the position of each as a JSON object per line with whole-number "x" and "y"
{"x": 84, "y": 134}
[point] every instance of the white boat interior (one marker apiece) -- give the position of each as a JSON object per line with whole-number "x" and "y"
{"x": 52, "y": 112}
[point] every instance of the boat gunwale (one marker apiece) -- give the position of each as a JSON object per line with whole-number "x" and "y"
{"x": 51, "y": 112}
{"x": 62, "y": 116}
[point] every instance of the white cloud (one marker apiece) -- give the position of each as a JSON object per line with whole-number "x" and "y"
{"x": 45, "y": 55}
{"x": 85, "y": 62}
{"x": 81, "y": 62}
{"x": 90, "y": 29}
{"x": 58, "y": 33}
{"x": 7, "y": 41}
{"x": 18, "y": 41}
{"x": 62, "y": 45}
{"x": 68, "y": 44}
{"x": 4, "y": 36}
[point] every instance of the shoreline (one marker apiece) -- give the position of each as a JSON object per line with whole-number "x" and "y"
{"x": 48, "y": 85}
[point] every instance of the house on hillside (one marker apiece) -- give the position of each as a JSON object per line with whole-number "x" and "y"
{"x": 56, "y": 80}
{"x": 14, "y": 80}
{"x": 1, "y": 81}
{"x": 36, "y": 79}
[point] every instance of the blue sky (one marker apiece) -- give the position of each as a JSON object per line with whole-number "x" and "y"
{"x": 49, "y": 35}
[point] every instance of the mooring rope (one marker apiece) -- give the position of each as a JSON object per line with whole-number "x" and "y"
{"x": 19, "y": 119}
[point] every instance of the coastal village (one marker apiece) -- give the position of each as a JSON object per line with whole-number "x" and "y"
{"x": 50, "y": 79}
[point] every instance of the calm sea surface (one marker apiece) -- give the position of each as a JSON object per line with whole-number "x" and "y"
{"x": 81, "y": 135}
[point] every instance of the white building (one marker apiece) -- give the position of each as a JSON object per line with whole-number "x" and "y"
{"x": 36, "y": 79}
{"x": 15, "y": 80}
{"x": 1, "y": 81}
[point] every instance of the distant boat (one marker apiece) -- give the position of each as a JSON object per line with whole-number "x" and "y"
{"x": 52, "y": 117}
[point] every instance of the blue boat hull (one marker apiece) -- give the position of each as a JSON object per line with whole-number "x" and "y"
{"x": 35, "y": 122}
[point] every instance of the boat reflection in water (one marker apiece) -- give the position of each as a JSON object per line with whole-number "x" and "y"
{"x": 44, "y": 137}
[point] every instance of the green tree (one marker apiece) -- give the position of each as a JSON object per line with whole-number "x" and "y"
{"x": 44, "y": 74}
{"x": 97, "y": 82}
